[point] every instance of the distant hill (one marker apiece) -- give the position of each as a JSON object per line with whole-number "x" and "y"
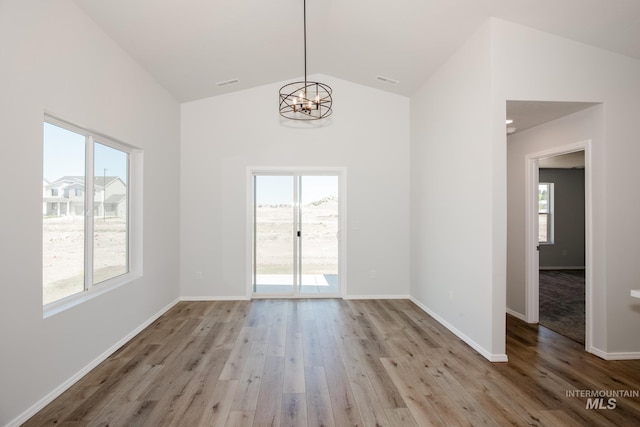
{"x": 325, "y": 202}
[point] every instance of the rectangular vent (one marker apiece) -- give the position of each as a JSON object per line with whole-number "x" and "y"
{"x": 228, "y": 82}
{"x": 387, "y": 80}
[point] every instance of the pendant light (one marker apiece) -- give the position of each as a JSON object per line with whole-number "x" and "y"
{"x": 305, "y": 100}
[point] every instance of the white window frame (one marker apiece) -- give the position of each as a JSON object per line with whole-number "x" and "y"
{"x": 134, "y": 220}
{"x": 549, "y": 214}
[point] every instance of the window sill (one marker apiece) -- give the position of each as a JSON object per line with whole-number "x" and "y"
{"x": 59, "y": 306}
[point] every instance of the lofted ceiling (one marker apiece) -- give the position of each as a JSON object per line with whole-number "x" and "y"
{"x": 190, "y": 45}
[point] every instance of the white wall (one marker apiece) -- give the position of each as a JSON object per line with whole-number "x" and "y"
{"x": 457, "y": 197}
{"x": 221, "y": 136}
{"x": 532, "y": 65}
{"x": 575, "y": 128}
{"x": 55, "y": 59}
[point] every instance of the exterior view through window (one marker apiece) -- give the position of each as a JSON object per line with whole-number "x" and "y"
{"x": 82, "y": 247}
{"x": 545, "y": 204}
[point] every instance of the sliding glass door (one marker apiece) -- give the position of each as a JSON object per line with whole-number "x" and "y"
{"x": 296, "y": 234}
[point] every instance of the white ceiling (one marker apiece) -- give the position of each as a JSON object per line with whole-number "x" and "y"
{"x": 573, "y": 160}
{"x": 190, "y": 45}
{"x": 528, "y": 114}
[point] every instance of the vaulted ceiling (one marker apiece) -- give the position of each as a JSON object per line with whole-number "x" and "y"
{"x": 190, "y": 45}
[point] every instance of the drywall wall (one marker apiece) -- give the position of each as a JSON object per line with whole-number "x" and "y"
{"x": 456, "y": 248}
{"x": 567, "y": 248}
{"x": 533, "y": 65}
{"x": 368, "y": 134}
{"x": 55, "y": 60}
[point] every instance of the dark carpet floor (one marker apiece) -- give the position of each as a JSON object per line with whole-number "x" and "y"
{"x": 562, "y": 302}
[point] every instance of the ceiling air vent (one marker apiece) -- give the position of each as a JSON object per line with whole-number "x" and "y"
{"x": 387, "y": 80}
{"x": 227, "y": 82}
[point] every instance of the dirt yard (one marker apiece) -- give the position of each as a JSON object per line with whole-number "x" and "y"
{"x": 275, "y": 238}
{"x": 63, "y": 254}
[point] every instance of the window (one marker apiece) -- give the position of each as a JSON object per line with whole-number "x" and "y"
{"x": 85, "y": 250}
{"x": 545, "y": 212}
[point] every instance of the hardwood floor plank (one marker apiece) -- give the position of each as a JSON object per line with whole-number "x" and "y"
{"x": 246, "y": 398}
{"x": 335, "y": 362}
{"x": 278, "y": 337}
{"x": 416, "y": 395}
{"x": 218, "y": 407}
{"x": 240, "y": 419}
{"x": 294, "y": 410}
{"x": 239, "y": 355}
{"x": 401, "y": 417}
{"x": 371, "y": 410}
{"x": 294, "y": 359}
{"x": 345, "y": 408}
{"x": 319, "y": 409}
{"x": 270, "y": 395}
{"x": 382, "y": 384}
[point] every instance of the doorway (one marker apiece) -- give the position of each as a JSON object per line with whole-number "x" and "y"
{"x": 296, "y": 233}
{"x": 540, "y": 230}
{"x": 561, "y": 243}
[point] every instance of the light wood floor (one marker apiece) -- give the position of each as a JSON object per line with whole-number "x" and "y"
{"x": 337, "y": 363}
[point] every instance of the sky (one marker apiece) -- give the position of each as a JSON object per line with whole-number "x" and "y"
{"x": 64, "y": 153}
{"x": 276, "y": 190}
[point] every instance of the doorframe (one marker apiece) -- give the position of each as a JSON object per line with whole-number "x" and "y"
{"x": 341, "y": 173}
{"x": 532, "y": 295}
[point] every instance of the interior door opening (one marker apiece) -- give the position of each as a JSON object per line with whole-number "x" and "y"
{"x": 561, "y": 243}
{"x": 534, "y": 233}
{"x": 296, "y": 234}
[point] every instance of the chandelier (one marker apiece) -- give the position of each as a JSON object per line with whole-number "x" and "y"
{"x": 305, "y": 100}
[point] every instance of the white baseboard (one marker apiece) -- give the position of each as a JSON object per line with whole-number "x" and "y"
{"x": 357, "y": 297}
{"x": 615, "y": 356}
{"x": 246, "y": 298}
{"x": 471, "y": 343}
{"x": 215, "y": 298}
{"x": 84, "y": 371}
{"x": 516, "y": 314}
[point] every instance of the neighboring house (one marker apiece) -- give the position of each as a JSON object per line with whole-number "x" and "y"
{"x": 66, "y": 196}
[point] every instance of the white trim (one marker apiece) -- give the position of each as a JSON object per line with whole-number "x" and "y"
{"x": 366, "y": 297}
{"x": 84, "y": 371}
{"x": 532, "y": 255}
{"x": 516, "y": 314}
{"x": 214, "y": 298}
{"x": 471, "y": 343}
{"x": 532, "y": 259}
{"x": 615, "y": 356}
{"x": 89, "y": 214}
{"x": 294, "y": 297}
{"x": 66, "y": 303}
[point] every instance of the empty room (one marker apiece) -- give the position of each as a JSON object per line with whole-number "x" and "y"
{"x": 318, "y": 212}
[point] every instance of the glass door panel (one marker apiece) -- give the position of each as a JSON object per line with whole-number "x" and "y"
{"x": 319, "y": 226}
{"x": 274, "y": 235}
{"x": 296, "y": 235}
